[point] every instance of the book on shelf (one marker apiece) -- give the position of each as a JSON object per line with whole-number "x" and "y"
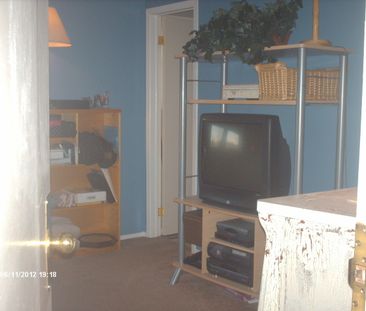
{"x": 103, "y": 181}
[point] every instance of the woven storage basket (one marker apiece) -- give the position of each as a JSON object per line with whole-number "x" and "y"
{"x": 279, "y": 82}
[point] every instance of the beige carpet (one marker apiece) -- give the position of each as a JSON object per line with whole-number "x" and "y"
{"x": 135, "y": 279}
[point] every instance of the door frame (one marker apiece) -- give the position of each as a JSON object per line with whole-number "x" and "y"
{"x": 153, "y": 117}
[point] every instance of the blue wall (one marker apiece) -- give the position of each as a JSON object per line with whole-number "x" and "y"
{"x": 108, "y": 53}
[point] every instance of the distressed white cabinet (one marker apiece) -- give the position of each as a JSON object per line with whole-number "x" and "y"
{"x": 309, "y": 240}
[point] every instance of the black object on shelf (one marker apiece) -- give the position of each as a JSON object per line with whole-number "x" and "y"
{"x": 230, "y": 263}
{"x": 239, "y": 259}
{"x": 63, "y": 129}
{"x": 229, "y": 271}
{"x": 236, "y": 231}
{"x": 94, "y": 149}
{"x": 98, "y": 181}
{"x": 194, "y": 260}
{"x": 70, "y": 103}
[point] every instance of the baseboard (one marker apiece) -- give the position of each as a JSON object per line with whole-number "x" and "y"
{"x": 133, "y": 236}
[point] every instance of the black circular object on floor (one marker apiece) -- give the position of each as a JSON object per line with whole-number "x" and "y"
{"x": 97, "y": 240}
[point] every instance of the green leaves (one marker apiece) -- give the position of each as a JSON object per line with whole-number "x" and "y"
{"x": 244, "y": 30}
{"x": 282, "y": 15}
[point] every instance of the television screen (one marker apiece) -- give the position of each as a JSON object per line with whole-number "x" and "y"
{"x": 242, "y": 157}
{"x": 237, "y": 153}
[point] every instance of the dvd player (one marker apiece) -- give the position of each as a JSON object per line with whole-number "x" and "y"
{"x": 230, "y": 263}
{"x": 240, "y": 259}
{"x": 236, "y": 231}
{"x": 229, "y": 271}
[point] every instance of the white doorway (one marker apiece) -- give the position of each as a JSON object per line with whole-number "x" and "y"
{"x": 168, "y": 29}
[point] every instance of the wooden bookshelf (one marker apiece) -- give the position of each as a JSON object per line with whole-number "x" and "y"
{"x": 97, "y": 217}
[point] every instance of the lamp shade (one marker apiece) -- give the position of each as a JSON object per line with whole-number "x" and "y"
{"x": 57, "y": 36}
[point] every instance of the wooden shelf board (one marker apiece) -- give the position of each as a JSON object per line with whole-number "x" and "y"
{"x": 217, "y": 280}
{"x": 58, "y": 139}
{"x": 253, "y": 102}
{"x": 96, "y": 167}
{"x": 85, "y": 206}
{"x": 83, "y": 111}
{"x": 292, "y": 49}
{"x": 198, "y": 203}
{"x": 288, "y": 50}
{"x": 233, "y": 245}
{"x": 75, "y": 166}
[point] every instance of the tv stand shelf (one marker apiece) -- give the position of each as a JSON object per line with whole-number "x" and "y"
{"x": 211, "y": 214}
{"x": 254, "y": 102}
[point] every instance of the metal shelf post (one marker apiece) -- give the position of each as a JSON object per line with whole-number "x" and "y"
{"x": 300, "y": 121}
{"x": 181, "y": 163}
{"x": 223, "y": 80}
{"x": 343, "y": 60}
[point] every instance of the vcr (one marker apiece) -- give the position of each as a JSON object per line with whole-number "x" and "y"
{"x": 230, "y": 263}
{"x": 236, "y": 231}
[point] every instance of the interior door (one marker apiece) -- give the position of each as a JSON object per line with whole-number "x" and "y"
{"x": 24, "y": 181}
{"x": 176, "y": 31}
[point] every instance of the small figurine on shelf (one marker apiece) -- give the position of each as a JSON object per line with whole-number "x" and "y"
{"x": 104, "y": 99}
{"x": 101, "y": 100}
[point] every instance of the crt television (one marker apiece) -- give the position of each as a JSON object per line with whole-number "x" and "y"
{"x": 242, "y": 158}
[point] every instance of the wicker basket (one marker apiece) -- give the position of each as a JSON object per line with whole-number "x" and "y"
{"x": 279, "y": 82}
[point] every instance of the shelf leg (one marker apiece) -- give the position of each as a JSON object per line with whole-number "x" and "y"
{"x": 300, "y": 119}
{"x": 175, "y": 277}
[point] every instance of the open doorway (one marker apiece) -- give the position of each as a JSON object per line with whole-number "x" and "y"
{"x": 168, "y": 29}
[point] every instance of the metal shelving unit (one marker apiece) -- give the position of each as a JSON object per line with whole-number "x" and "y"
{"x": 301, "y": 52}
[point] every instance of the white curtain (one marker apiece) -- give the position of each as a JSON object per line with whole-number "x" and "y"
{"x": 24, "y": 172}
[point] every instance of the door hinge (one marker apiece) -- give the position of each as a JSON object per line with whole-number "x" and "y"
{"x": 161, "y": 211}
{"x": 161, "y": 40}
{"x": 357, "y": 269}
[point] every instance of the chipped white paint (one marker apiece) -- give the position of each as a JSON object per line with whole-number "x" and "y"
{"x": 307, "y": 250}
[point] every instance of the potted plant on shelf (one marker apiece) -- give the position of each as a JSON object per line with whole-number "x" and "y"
{"x": 281, "y": 16}
{"x": 244, "y": 30}
{"x": 251, "y": 32}
{"x": 215, "y": 36}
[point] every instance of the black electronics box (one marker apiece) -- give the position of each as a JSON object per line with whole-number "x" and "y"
{"x": 230, "y": 271}
{"x": 239, "y": 260}
{"x": 194, "y": 260}
{"x": 70, "y": 103}
{"x": 230, "y": 263}
{"x": 236, "y": 231}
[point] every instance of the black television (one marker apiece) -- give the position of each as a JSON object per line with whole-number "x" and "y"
{"x": 242, "y": 158}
